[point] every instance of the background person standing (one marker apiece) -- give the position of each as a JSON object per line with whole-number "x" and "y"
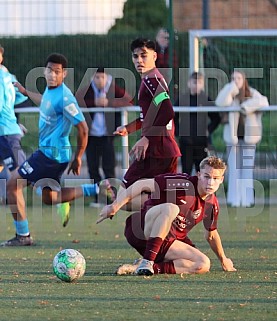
{"x": 242, "y": 132}
{"x": 102, "y": 92}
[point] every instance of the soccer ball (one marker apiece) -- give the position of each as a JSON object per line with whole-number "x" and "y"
{"x": 69, "y": 265}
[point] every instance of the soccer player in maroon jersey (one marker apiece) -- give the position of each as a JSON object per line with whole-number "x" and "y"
{"x": 159, "y": 232}
{"x": 156, "y": 152}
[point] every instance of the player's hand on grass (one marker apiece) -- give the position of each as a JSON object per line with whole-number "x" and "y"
{"x": 227, "y": 265}
{"x": 138, "y": 151}
{"x": 121, "y": 131}
{"x": 108, "y": 211}
{"x": 75, "y": 166}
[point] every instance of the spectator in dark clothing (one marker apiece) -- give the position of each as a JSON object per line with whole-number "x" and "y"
{"x": 163, "y": 55}
{"x": 194, "y": 129}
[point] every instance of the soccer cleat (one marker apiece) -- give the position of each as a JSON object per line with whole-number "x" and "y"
{"x": 63, "y": 210}
{"x": 125, "y": 269}
{"x": 145, "y": 268}
{"x": 107, "y": 193}
{"x": 19, "y": 240}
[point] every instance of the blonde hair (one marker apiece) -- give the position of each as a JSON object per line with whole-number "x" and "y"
{"x": 214, "y": 162}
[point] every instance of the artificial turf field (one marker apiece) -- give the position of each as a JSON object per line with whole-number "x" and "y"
{"x": 30, "y": 291}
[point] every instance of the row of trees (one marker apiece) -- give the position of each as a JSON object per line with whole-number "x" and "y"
{"x": 142, "y": 16}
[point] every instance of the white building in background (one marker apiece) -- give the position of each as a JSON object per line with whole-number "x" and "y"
{"x": 55, "y": 17}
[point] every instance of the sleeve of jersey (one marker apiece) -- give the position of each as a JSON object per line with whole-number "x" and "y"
{"x": 211, "y": 215}
{"x": 134, "y": 126}
{"x": 73, "y": 113}
{"x": 1, "y": 96}
{"x": 159, "y": 114}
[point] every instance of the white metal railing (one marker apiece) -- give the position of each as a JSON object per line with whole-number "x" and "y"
{"x": 185, "y": 109}
{"x": 124, "y": 117}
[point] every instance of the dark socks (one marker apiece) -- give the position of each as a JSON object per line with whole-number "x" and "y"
{"x": 152, "y": 248}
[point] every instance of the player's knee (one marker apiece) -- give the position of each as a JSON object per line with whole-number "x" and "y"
{"x": 47, "y": 198}
{"x": 203, "y": 265}
{"x": 171, "y": 209}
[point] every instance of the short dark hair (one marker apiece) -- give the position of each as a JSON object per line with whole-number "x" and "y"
{"x": 196, "y": 75}
{"x": 143, "y": 42}
{"x": 57, "y": 58}
{"x": 100, "y": 70}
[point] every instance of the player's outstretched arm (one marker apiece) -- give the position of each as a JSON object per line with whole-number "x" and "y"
{"x": 82, "y": 139}
{"x": 35, "y": 97}
{"x": 125, "y": 196}
{"x": 215, "y": 243}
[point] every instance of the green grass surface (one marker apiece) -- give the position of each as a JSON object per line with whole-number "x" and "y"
{"x": 30, "y": 291}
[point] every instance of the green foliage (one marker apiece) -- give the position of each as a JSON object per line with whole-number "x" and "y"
{"x": 141, "y": 16}
{"x": 82, "y": 51}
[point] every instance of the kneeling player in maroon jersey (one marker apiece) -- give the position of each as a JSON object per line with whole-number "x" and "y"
{"x": 159, "y": 232}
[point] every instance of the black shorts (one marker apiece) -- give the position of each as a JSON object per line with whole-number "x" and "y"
{"x": 11, "y": 152}
{"x": 43, "y": 171}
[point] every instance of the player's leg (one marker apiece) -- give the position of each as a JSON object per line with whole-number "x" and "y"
{"x": 137, "y": 202}
{"x": 187, "y": 259}
{"x": 14, "y": 142}
{"x": 15, "y": 187}
{"x": 158, "y": 221}
{"x": 247, "y": 164}
{"x": 233, "y": 191}
{"x": 4, "y": 176}
{"x": 65, "y": 194}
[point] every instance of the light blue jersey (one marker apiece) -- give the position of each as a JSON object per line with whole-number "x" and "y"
{"x": 8, "y": 121}
{"x": 58, "y": 112}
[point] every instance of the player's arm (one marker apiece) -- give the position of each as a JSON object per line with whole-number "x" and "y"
{"x": 125, "y": 196}
{"x": 215, "y": 243}
{"x": 35, "y": 97}
{"x": 129, "y": 128}
{"x": 226, "y": 95}
{"x": 82, "y": 139}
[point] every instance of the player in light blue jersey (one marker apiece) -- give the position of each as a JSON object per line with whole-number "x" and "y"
{"x": 59, "y": 111}
{"x": 11, "y": 153}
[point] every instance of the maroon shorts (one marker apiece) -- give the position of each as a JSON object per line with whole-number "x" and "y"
{"x": 134, "y": 233}
{"x": 149, "y": 168}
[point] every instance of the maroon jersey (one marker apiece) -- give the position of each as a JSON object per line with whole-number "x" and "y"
{"x": 181, "y": 189}
{"x": 156, "y": 117}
